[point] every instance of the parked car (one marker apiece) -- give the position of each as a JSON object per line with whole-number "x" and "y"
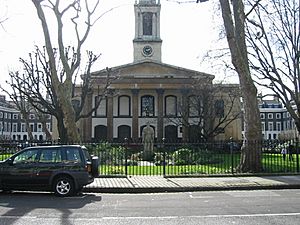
{"x": 62, "y": 169}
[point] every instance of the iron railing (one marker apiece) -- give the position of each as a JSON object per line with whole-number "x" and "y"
{"x": 183, "y": 159}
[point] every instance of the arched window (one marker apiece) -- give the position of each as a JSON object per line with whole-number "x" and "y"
{"x": 124, "y": 105}
{"x": 124, "y": 131}
{"x": 219, "y": 108}
{"x": 171, "y": 105}
{"x": 100, "y": 133}
{"x": 171, "y": 133}
{"x": 147, "y": 106}
{"x": 101, "y": 110}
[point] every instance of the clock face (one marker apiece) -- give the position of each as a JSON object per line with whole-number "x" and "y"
{"x": 147, "y": 50}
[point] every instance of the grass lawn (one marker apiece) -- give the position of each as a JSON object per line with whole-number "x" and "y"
{"x": 221, "y": 164}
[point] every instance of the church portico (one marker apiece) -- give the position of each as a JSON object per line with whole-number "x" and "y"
{"x": 147, "y": 90}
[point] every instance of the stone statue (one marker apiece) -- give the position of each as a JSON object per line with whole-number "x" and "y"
{"x": 148, "y": 140}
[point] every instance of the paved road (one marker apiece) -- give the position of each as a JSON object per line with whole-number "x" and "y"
{"x": 222, "y": 207}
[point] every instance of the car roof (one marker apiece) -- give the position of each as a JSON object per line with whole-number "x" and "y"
{"x": 52, "y": 146}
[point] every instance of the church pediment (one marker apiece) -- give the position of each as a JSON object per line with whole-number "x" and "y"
{"x": 152, "y": 69}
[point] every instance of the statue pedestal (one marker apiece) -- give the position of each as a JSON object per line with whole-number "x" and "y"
{"x": 147, "y": 155}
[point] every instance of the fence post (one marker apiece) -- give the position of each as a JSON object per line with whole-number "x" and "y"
{"x": 126, "y": 148}
{"x": 164, "y": 156}
{"x": 297, "y": 154}
{"x": 231, "y": 154}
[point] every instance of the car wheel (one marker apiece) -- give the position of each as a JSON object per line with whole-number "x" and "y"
{"x": 63, "y": 186}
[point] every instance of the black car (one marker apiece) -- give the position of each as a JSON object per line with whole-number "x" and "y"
{"x": 63, "y": 169}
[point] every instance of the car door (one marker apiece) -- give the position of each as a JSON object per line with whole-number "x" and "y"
{"x": 18, "y": 172}
{"x": 49, "y": 162}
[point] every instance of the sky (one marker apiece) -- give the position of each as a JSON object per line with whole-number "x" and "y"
{"x": 188, "y": 31}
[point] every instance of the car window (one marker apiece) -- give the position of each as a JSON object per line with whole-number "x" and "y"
{"x": 86, "y": 155}
{"x": 73, "y": 155}
{"x": 26, "y": 157}
{"x": 50, "y": 156}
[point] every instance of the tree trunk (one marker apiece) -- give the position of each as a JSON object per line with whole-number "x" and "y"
{"x": 235, "y": 31}
{"x": 68, "y": 113}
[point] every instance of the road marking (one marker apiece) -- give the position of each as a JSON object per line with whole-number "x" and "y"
{"x": 250, "y": 194}
{"x": 204, "y": 216}
{"x": 201, "y": 197}
{"x": 152, "y": 217}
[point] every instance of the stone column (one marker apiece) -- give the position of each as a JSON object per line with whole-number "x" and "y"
{"x": 185, "y": 114}
{"x": 135, "y": 114}
{"x": 160, "y": 115}
{"x": 110, "y": 116}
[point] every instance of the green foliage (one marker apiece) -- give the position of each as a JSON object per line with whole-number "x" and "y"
{"x": 182, "y": 156}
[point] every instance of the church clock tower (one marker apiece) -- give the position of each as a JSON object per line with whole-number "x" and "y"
{"x": 147, "y": 42}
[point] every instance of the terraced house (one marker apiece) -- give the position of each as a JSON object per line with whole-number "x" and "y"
{"x": 13, "y": 126}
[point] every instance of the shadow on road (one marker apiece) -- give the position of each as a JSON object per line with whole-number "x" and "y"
{"x": 20, "y": 204}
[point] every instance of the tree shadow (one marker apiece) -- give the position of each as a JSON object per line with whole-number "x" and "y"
{"x": 20, "y": 204}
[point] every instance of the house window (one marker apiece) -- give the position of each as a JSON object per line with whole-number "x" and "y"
{"x": 124, "y": 105}
{"x": 263, "y": 126}
{"x": 171, "y": 106}
{"x": 48, "y": 127}
{"x": 147, "y": 105}
{"x": 278, "y": 125}
{"x": 23, "y": 127}
{"x": 278, "y": 116}
{"x": 15, "y": 116}
{"x": 32, "y": 127}
{"x": 15, "y": 127}
{"x": 270, "y": 115}
{"x": 262, "y": 116}
{"x": 32, "y": 116}
{"x": 270, "y": 126}
{"x": 39, "y": 127}
{"x": 76, "y": 104}
{"x": 1, "y": 115}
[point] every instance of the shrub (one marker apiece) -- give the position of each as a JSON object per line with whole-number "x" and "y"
{"x": 182, "y": 157}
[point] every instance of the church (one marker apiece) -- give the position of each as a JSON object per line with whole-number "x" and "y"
{"x": 178, "y": 103}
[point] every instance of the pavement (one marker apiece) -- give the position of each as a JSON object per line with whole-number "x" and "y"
{"x": 153, "y": 184}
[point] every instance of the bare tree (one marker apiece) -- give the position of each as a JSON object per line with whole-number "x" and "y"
{"x": 209, "y": 111}
{"x": 273, "y": 34}
{"x": 61, "y": 79}
{"x": 3, "y": 15}
{"x": 233, "y": 14}
{"x": 34, "y": 87}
